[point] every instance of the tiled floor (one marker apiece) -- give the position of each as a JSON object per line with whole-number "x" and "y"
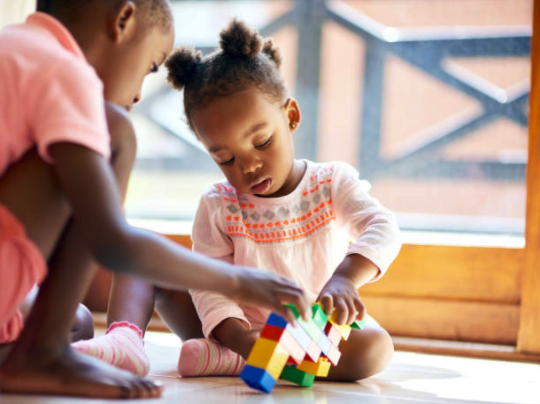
{"x": 411, "y": 378}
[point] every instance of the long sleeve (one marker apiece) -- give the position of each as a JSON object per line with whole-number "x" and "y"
{"x": 373, "y": 228}
{"x": 210, "y": 238}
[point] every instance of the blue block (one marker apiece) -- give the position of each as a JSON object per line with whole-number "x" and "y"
{"x": 258, "y": 378}
{"x": 325, "y": 344}
{"x": 276, "y": 320}
{"x": 300, "y": 335}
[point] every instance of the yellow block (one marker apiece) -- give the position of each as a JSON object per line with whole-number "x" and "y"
{"x": 269, "y": 355}
{"x": 320, "y": 368}
{"x": 344, "y": 330}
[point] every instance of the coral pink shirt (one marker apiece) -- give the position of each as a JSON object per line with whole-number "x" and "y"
{"x": 302, "y": 236}
{"x": 48, "y": 92}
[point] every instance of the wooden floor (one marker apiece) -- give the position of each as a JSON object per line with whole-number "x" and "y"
{"x": 411, "y": 378}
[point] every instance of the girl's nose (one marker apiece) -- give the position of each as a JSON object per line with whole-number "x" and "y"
{"x": 137, "y": 98}
{"x": 250, "y": 164}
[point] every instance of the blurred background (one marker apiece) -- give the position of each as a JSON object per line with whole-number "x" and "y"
{"x": 428, "y": 99}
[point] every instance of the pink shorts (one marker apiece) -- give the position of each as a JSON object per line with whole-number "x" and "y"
{"x": 21, "y": 267}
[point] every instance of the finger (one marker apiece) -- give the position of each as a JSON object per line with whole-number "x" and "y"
{"x": 140, "y": 389}
{"x": 360, "y": 308}
{"x": 279, "y": 308}
{"x": 300, "y": 301}
{"x": 328, "y": 304}
{"x": 351, "y": 310}
{"x": 152, "y": 389}
{"x": 341, "y": 311}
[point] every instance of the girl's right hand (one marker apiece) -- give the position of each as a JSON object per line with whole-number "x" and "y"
{"x": 254, "y": 287}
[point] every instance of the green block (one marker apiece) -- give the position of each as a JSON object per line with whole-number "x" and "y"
{"x": 358, "y": 325}
{"x": 319, "y": 316}
{"x": 309, "y": 326}
{"x": 291, "y": 374}
{"x": 293, "y": 309}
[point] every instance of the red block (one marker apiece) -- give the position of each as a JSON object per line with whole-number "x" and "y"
{"x": 272, "y": 332}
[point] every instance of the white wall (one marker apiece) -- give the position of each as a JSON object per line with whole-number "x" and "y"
{"x": 14, "y": 11}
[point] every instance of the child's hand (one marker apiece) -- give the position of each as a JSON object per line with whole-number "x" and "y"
{"x": 265, "y": 289}
{"x": 340, "y": 293}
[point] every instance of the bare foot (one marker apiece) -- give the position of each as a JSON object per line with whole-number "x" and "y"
{"x": 71, "y": 374}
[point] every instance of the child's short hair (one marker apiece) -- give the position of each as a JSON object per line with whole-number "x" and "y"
{"x": 244, "y": 59}
{"x": 158, "y": 11}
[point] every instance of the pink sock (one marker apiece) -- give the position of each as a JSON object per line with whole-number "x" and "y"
{"x": 202, "y": 357}
{"x": 121, "y": 346}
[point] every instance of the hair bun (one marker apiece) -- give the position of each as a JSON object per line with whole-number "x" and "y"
{"x": 272, "y": 51}
{"x": 182, "y": 66}
{"x": 239, "y": 40}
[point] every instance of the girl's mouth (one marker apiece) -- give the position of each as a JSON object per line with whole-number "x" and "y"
{"x": 261, "y": 187}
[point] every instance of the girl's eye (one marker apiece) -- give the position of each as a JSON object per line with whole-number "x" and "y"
{"x": 262, "y": 146}
{"x": 228, "y": 162}
{"x": 154, "y": 68}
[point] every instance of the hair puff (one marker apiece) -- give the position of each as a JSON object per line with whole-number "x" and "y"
{"x": 272, "y": 51}
{"x": 240, "y": 40}
{"x": 182, "y": 66}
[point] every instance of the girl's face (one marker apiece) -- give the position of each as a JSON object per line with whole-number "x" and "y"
{"x": 249, "y": 137}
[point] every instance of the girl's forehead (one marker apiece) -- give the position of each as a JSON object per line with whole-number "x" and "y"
{"x": 235, "y": 113}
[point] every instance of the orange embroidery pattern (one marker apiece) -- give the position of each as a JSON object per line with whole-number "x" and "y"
{"x": 314, "y": 211}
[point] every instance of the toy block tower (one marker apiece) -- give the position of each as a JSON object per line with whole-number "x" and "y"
{"x": 295, "y": 353}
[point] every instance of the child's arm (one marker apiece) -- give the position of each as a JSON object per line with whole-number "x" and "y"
{"x": 88, "y": 181}
{"x": 377, "y": 244}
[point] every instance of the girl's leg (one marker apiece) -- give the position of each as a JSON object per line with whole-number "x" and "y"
{"x": 177, "y": 310}
{"x": 131, "y": 305}
{"x": 203, "y": 357}
{"x": 41, "y": 361}
{"x": 82, "y": 326}
{"x": 366, "y": 353}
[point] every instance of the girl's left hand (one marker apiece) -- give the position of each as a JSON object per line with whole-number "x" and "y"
{"x": 341, "y": 295}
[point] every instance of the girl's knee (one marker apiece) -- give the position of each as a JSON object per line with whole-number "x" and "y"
{"x": 83, "y": 324}
{"x": 368, "y": 354}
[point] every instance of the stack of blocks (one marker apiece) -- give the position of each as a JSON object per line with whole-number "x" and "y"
{"x": 296, "y": 354}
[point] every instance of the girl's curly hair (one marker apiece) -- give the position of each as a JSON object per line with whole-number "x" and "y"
{"x": 244, "y": 59}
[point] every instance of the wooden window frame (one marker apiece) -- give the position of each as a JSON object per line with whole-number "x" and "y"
{"x": 472, "y": 300}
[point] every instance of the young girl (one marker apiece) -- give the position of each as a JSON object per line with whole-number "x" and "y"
{"x": 65, "y": 159}
{"x": 274, "y": 211}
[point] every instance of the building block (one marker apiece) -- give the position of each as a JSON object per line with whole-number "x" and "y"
{"x": 292, "y": 374}
{"x": 319, "y": 316}
{"x": 313, "y": 353}
{"x": 297, "y": 354}
{"x": 359, "y": 324}
{"x": 344, "y": 330}
{"x": 324, "y": 344}
{"x": 333, "y": 355}
{"x": 269, "y": 355}
{"x": 309, "y": 326}
{"x": 319, "y": 368}
{"x": 300, "y": 335}
{"x": 271, "y": 332}
{"x": 333, "y": 334}
{"x": 276, "y": 320}
{"x": 258, "y": 379}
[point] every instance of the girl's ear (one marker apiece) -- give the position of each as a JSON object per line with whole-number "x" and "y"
{"x": 293, "y": 114}
{"x": 123, "y": 27}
